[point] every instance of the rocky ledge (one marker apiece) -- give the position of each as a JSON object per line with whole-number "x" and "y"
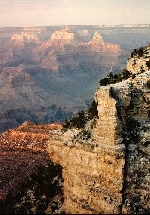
{"x": 105, "y": 166}
{"x": 108, "y": 173}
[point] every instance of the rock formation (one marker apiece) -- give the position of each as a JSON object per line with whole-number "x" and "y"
{"x": 140, "y": 60}
{"x": 28, "y": 34}
{"x": 97, "y": 39}
{"x": 106, "y": 172}
{"x": 109, "y": 172}
{"x": 97, "y": 44}
{"x": 65, "y": 35}
{"x": 24, "y": 37}
{"x": 85, "y": 32}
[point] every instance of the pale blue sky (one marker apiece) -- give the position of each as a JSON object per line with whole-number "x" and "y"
{"x": 73, "y": 12}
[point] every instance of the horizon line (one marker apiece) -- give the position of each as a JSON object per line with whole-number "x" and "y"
{"x": 99, "y": 25}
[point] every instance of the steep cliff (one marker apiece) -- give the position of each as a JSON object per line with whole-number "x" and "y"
{"x": 105, "y": 165}
{"x": 109, "y": 172}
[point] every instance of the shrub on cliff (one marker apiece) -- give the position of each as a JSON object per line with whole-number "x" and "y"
{"x": 148, "y": 84}
{"x": 112, "y": 79}
{"x": 138, "y": 52}
{"x": 83, "y": 135}
{"x": 78, "y": 121}
{"x": 92, "y": 111}
{"x": 148, "y": 64}
{"x": 81, "y": 118}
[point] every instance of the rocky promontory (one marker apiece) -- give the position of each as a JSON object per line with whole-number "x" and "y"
{"x": 108, "y": 172}
{"x": 64, "y": 35}
{"x": 105, "y": 163}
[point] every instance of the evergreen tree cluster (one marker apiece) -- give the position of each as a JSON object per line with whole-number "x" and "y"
{"x": 138, "y": 52}
{"x": 112, "y": 79}
{"x": 81, "y": 118}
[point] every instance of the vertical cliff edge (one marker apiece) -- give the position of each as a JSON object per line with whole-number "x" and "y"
{"x": 108, "y": 173}
{"x": 100, "y": 168}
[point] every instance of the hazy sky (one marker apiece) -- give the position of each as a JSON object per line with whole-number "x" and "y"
{"x": 75, "y": 12}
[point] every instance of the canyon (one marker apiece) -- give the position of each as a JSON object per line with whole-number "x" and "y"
{"x": 106, "y": 172}
{"x": 47, "y": 74}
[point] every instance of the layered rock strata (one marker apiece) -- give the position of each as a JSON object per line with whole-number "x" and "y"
{"x": 109, "y": 173}
{"x": 105, "y": 174}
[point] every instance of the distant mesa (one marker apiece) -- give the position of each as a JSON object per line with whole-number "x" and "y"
{"x": 65, "y": 34}
{"x": 97, "y": 39}
{"x": 25, "y": 37}
{"x": 98, "y": 44}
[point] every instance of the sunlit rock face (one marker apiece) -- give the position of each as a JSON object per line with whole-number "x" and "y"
{"x": 97, "y": 39}
{"x": 29, "y": 34}
{"x": 98, "y": 44}
{"x": 124, "y": 119}
{"x": 140, "y": 60}
{"x": 109, "y": 172}
{"x": 64, "y": 35}
{"x": 24, "y": 37}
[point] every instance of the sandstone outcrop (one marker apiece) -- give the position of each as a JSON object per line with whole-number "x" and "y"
{"x": 25, "y": 37}
{"x": 109, "y": 173}
{"x": 97, "y": 39}
{"x": 28, "y": 34}
{"x": 85, "y": 32}
{"x": 65, "y": 35}
{"x": 98, "y": 44}
{"x": 140, "y": 60}
{"x": 25, "y": 165}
